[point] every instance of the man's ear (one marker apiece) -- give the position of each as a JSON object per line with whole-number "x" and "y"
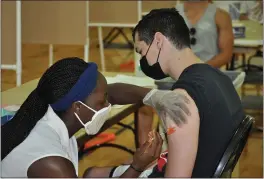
{"x": 159, "y": 39}
{"x": 76, "y": 107}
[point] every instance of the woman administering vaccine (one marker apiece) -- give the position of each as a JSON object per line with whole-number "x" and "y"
{"x": 39, "y": 141}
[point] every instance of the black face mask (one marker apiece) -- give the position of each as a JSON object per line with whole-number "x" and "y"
{"x": 153, "y": 71}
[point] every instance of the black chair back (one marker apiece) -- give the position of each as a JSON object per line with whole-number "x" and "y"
{"x": 254, "y": 73}
{"x": 252, "y": 67}
{"x": 234, "y": 149}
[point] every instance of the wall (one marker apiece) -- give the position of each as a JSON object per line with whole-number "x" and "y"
{"x": 59, "y": 22}
{"x": 8, "y": 32}
{"x": 113, "y": 11}
{"x": 63, "y": 22}
{"x": 149, "y": 5}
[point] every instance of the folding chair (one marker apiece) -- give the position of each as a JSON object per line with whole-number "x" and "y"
{"x": 114, "y": 17}
{"x": 254, "y": 76}
{"x": 234, "y": 149}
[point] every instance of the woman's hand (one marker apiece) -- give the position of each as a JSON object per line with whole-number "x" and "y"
{"x": 149, "y": 152}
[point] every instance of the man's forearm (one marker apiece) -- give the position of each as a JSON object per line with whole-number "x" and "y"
{"x": 220, "y": 60}
{"x": 121, "y": 93}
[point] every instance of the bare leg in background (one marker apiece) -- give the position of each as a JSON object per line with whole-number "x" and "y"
{"x": 145, "y": 121}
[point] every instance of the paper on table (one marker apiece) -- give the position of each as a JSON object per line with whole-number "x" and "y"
{"x": 237, "y": 24}
{"x": 12, "y": 108}
{"x": 139, "y": 81}
{"x": 246, "y": 42}
{"x": 116, "y": 106}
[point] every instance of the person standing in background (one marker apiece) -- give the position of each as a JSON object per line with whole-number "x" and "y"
{"x": 252, "y": 10}
{"x": 210, "y": 30}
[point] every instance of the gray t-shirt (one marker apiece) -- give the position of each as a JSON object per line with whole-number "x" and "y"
{"x": 206, "y": 34}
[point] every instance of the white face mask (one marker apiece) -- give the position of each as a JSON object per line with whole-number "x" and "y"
{"x": 93, "y": 126}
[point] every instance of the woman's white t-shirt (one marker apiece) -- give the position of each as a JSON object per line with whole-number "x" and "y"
{"x": 48, "y": 138}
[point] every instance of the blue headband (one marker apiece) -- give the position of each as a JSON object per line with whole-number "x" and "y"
{"x": 82, "y": 88}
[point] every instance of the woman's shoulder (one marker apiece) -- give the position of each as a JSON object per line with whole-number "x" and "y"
{"x": 42, "y": 141}
{"x": 17, "y": 162}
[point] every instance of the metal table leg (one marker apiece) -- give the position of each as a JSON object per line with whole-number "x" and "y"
{"x": 136, "y": 128}
{"x": 83, "y": 151}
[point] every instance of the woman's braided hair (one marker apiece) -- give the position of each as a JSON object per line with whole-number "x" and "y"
{"x": 54, "y": 84}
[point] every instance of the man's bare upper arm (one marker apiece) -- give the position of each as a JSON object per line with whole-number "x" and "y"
{"x": 183, "y": 143}
{"x": 225, "y": 32}
{"x": 52, "y": 167}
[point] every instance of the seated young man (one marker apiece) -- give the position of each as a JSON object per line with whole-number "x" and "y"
{"x": 194, "y": 149}
{"x": 207, "y": 24}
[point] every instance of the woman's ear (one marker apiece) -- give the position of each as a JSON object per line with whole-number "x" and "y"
{"x": 76, "y": 107}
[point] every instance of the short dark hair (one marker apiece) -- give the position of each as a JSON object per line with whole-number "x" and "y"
{"x": 169, "y": 22}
